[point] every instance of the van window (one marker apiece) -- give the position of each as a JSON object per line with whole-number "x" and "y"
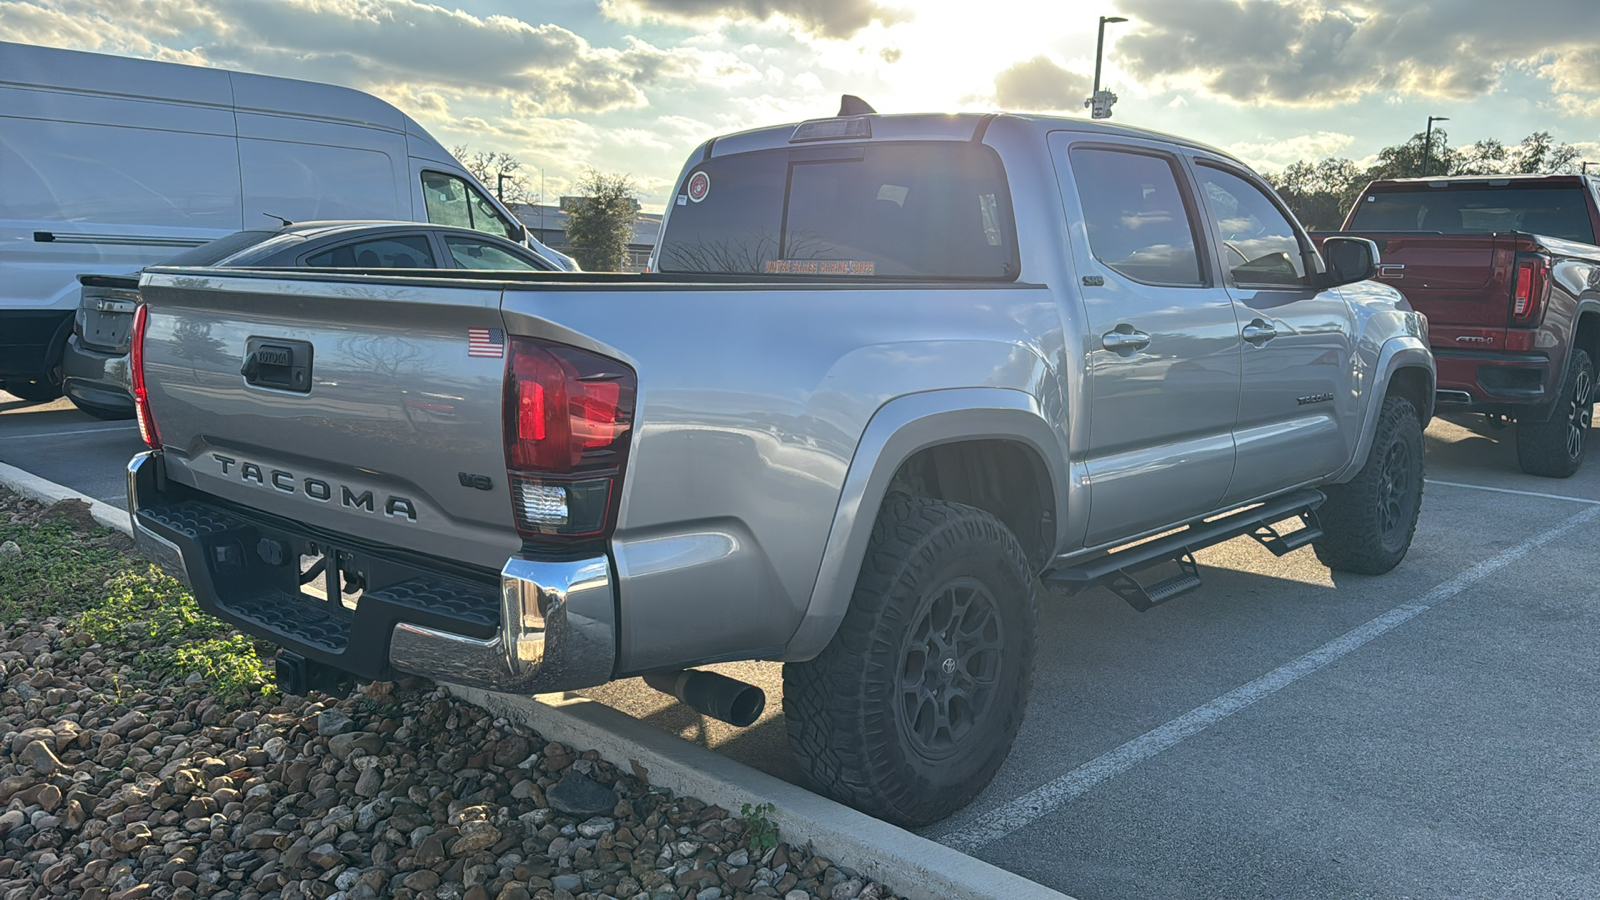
{"x": 1136, "y": 218}
{"x": 407, "y": 251}
{"x": 451, "y": 201}
{"x": 117, "y": 175}
{"x": 896, "y": 209}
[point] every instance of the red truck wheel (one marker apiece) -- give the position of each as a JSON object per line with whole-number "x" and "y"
{"x": 912, "y": 707}
{"x": 1368, "y": 521}
{"x": 1555, "y": 449}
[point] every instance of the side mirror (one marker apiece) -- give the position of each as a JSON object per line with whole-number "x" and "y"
{"x": 1350, "y": 259}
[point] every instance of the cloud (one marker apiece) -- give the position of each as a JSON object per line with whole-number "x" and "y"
{"x": 823, "y": 18}
{"x": 1270, "y": 155}
{"x": 1311, "y": 53}
{"x": 1041, "y": 85}
{"x": 381, "y": 45}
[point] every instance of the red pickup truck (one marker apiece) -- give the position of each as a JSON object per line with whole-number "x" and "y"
{"x": 1508, "y": 274}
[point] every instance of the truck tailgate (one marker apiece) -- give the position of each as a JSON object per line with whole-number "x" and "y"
{"x": 1453, "y": 279}
{"x": 370, "y": 408}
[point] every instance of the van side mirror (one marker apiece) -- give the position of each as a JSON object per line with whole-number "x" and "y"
{"x": 1350, "y": 259}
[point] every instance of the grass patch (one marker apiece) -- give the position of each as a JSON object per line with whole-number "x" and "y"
{"x": 59, "y": 571}
{"x": 150, "y": 610}
{"x": 130, "y": 607}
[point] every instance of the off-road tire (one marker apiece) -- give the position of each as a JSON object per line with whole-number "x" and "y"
{"x": 35, "y": 391}
{"x": 1554, "y": 449}
{"x": 1368, "y": 522}
{"x": 864, "y": 716}
{"x": 101, "y": 412}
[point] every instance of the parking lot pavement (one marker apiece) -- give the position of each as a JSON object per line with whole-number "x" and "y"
{"x": 1280, "y": 732}
{"x": 56, "y": 441}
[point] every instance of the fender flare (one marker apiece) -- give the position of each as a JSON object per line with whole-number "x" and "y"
{"x": 899, "y": 429}
{"x": 1400, "y": 352}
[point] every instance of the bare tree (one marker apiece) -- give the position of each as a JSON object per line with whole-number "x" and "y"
{"x": 488, "y": 165}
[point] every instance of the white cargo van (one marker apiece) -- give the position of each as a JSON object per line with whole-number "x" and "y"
{"x": 108, "y": 164}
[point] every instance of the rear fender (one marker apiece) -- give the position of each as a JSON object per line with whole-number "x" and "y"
{"x": 897, "y": 431}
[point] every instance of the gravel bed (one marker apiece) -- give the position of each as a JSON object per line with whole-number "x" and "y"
{"x": 117, "y": 782}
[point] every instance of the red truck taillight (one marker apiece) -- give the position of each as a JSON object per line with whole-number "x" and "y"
{"x": 568, "y": 424}
{"x": 141, "y": 399}
{"x": 1531, "y": 288}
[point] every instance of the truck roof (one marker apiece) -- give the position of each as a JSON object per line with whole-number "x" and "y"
{"x": 1448, "y": 180}
{"x": 945, "y": 126}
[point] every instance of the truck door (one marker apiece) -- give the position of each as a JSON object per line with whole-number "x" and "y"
{"x": 1162, "y": 343}
{"x": 1297, "y": 406}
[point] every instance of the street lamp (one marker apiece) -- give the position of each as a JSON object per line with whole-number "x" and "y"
{"x": 1100, "y": 101}
{"x": 500, "y": 187}
{"x": 1427, "y": 143}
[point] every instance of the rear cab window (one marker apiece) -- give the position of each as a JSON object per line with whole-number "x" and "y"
{"x": 895, "y": 209}
{"x": 1554, "y": 209}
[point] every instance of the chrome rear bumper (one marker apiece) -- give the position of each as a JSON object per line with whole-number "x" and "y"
{"x": 557, "y": 632}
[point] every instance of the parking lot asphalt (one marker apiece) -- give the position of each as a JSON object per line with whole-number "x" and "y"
{"x": 1280, "y": 732}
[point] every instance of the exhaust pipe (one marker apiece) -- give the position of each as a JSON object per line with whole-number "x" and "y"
{"x": 718, "y": 696}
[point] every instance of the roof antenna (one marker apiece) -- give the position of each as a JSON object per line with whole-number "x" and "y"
{"x": 851, "y": 105}
{"x": 286, "y": 222}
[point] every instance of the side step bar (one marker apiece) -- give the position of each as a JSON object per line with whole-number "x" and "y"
{"x": 1115, "y": 569}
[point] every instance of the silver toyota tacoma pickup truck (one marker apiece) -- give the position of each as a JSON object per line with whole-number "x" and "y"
{"x": 887, "y": 375}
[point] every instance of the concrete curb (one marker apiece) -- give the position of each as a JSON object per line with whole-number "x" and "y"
{"x": 48, "y": 492}
{"x": 914, "y": 866}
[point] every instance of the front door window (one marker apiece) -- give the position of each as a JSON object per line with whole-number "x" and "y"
{"x": 452, "y": 201}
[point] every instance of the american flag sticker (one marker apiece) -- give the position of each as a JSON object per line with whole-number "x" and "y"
{"x": 486, "y": 342}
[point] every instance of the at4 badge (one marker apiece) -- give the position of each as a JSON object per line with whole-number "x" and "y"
{"x": 699, "y": 186}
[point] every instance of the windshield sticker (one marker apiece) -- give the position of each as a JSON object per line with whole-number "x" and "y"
{"x": 699, "y": 186}
{"x": 820, "y": 267}
{"x": 683, "y": 200}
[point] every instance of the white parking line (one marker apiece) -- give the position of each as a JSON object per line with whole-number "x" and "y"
{"x": 90, "y": 430}
{"x": 1484, "y": 487}
{"x": 1045, "y": 799}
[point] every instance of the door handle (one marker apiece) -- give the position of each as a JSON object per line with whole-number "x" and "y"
{"x": 1259, "y": 332}
{"x": 1125, "y": 340}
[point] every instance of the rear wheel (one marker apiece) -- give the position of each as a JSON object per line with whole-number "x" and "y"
{"x": 1555, "y": 448}
{"x": 910, "y": 709}
{"x": 37, "y": 391}
{"x": 1368, "y": 521}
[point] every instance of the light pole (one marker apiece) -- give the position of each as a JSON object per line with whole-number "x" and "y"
{"x": 1427, "y": 143}
{"x": 500, "y": 187}
{"x": 1100, "y": 102}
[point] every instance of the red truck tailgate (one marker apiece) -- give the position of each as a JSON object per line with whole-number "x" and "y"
{"x": 1456, "y": 280}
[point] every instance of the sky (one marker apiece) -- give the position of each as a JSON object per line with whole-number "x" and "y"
{"x": 632, "y": 86}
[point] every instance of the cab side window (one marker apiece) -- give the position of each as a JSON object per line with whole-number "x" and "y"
{"x": 1137, "y": 219}
{"x": 451, "y": 201}
{"x": 472, "y": 253}
{"x": 1259, "y": 244}
{"x": 409, "y": 251}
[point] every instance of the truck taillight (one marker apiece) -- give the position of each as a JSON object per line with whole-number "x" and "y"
{"x": 141, "y": 399}
{"x": 568, "y": 424}
{"x": 1530, "y": 289}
